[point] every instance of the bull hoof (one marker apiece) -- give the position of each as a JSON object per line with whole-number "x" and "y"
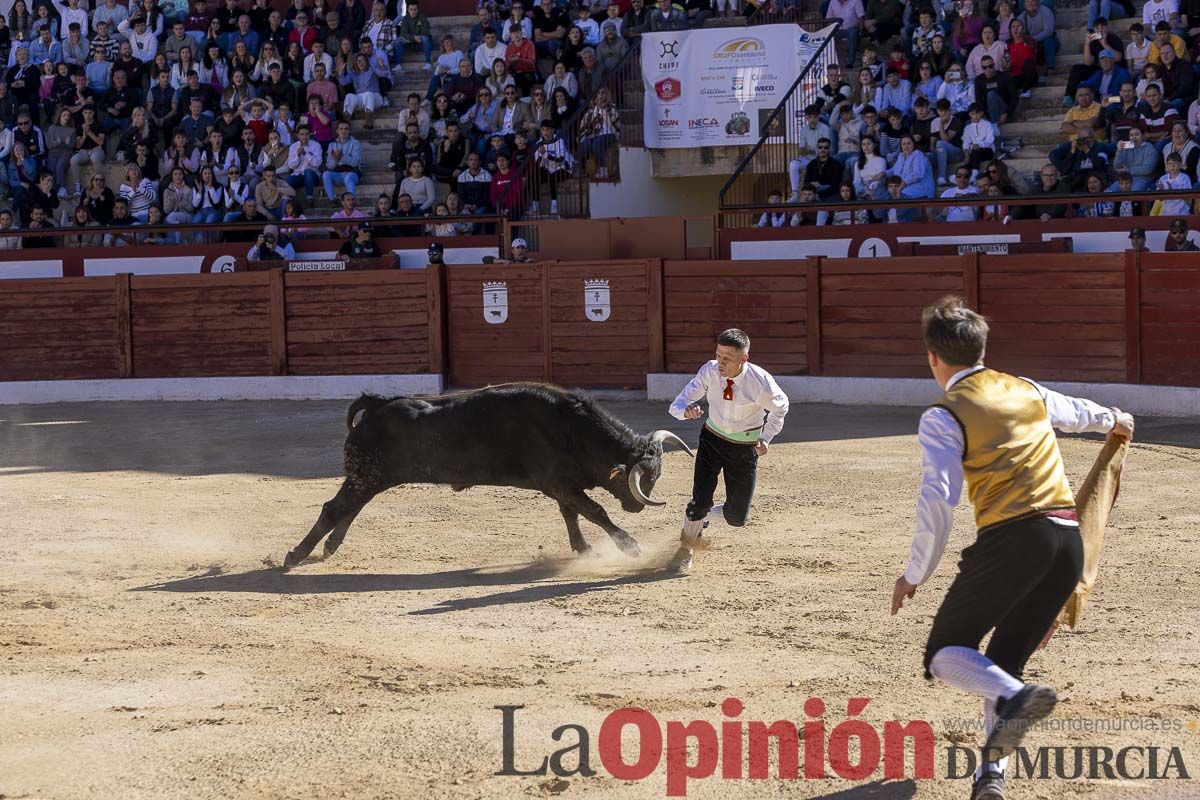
{"x": 290, "y": 560}
{"x": 628, "y": 545}
{"x": 587, "y": 552}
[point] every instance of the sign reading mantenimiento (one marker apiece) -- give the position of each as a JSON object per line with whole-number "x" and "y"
{"x": 717, "y": 86}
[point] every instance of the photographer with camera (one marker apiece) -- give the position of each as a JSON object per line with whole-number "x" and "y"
{"x": 271, "y": 246}
{"x": 361, "y": 244}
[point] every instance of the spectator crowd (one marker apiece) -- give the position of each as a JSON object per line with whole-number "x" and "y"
{"x": 239, "y": 112}
{"x": 921, "y": 115}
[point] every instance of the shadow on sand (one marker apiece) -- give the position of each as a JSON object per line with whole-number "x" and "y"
{"x": 538, "y": 581}
{"x": 876, "y": 790}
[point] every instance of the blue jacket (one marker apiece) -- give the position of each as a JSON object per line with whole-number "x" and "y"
{"x": 1119, "y": 76}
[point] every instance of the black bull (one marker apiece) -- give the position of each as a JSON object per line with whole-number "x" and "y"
{"x": 529, "y": 436}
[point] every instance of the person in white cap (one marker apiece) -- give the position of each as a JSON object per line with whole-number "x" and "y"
{"x": 520, "y": 252}
{"x": 739, "y": 394}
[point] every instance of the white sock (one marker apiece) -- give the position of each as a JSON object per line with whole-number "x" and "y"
{"x": 970, "y": 670}
{"x": 717, "y": 513}
{"x": 989, "y": 723}
{"x": 692, "y": 527}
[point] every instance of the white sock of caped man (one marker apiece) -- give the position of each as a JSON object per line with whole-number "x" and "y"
{"x": 970, "y": 670}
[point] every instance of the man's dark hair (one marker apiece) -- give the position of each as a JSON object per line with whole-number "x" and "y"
{"x": 735, "y": 338}
{"x": 953, "y": 332}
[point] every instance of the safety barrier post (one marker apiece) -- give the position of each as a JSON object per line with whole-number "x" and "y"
{"x": 124, "y": 352}
{"x": 435, "y": 297}
{"x": 970, "y": 277}
{"x": 656, "y": 315}
{"x": 1133, "y": 316}
{"x": 812, "y": 287}
{"x": 278, "y": 316}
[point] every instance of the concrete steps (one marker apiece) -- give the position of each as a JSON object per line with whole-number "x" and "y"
{"x": 1039, "y": 117}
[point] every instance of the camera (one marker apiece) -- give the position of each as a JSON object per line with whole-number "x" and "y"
{"x": 269, "y": 240}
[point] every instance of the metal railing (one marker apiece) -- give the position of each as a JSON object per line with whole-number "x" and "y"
{"x": 1001, "y": 209}
{"x": 570, "y": 187}
{"x": 767, "y": 162}
{"x": 771, "y": 12}
{"x": 320, "y": 228}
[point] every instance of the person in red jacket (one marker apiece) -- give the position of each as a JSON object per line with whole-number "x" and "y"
{"x": 302, "y": 33}
{"x": 506, "y": 188}
{"x": 521, "y": 60}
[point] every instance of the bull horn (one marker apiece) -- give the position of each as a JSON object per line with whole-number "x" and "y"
{"x": 635, "y": 487}
{"x": 664, "y": 437}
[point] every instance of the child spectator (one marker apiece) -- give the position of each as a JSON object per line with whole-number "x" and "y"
{"x": 1174, "y": 180}
{"x": 776, "y": 219}
{"x": 895, "y": 187}
{"x": 979, "y": 138}
{"x": 898, "y": 62}
{"x": 847, "y": 216}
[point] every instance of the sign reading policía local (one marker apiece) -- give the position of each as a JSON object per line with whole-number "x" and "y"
{"x": 717, "y": 86}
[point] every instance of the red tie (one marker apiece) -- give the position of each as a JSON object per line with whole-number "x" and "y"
{"x": 728, "y": 389}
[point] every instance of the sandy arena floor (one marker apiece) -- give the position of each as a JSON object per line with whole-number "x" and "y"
{"x": 147, "y": 651}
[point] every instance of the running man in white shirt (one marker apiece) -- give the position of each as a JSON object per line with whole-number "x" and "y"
{"x": 734, "y": 436}
{"x": 998, "y": 431}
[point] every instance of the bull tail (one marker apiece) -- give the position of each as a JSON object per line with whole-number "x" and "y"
{"x": 365, "y": 403}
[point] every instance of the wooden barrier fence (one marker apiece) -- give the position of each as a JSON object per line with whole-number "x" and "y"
{"x": 1124, "y": 317}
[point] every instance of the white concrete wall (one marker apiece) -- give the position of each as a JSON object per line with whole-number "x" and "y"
{"x": 640, "y": 194}
{"x": 1171, "y": 401}
{"x": 289, "y": 387}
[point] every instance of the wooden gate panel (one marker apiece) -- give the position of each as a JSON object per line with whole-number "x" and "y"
{"x": 369, "y": 322}
{"x": 871, "y": 313}
{"x": 202, "y": 326}
{"x": 510, "y": 349}
{"x": 767, "y": 299}
{"x": 1055, "y": 317}
{"x": 58, "y": 329}
{"x": 599, "y": 337}
{"x": 1170, "y": 319}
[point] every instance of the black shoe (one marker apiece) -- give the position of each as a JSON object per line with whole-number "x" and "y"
{"x": 988, "y": 786}
{"x": 1015, "y": 716}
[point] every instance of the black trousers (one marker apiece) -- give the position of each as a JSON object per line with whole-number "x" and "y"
{"x": 1014, "y": 580}
{"x": 739, "y": 462}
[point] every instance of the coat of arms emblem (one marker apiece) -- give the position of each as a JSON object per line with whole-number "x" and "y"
{"x": 596, "y": 302}
{"x": 495, "y": 302}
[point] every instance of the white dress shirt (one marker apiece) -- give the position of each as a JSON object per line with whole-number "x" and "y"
{"x": 754, "y": 393}
{"x": 941, "y": 441}
{"x": 960, "y": 213}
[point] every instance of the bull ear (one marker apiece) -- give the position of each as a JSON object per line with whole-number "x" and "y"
{"x": 619, "y": 469}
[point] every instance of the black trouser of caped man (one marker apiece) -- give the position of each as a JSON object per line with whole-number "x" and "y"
{"x": 739, "y": 462}
{"x": 1015, "y": 579}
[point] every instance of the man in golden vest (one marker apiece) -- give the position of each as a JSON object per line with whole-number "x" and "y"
{"x": 997, "y": 430}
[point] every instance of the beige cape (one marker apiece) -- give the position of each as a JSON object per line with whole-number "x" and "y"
{"x": 1093, "y": 502}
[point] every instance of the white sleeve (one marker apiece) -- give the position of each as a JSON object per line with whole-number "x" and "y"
{"x": 775, "y": 403}
{"x": 1075, "y": 414}
{"x": 691, "y": 393}
{"x": 941, "y": 485}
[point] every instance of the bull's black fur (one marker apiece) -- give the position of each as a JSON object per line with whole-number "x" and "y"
{"x": 525, "y": 435}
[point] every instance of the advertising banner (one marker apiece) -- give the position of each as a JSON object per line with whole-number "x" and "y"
{"x": 718, "y": 86}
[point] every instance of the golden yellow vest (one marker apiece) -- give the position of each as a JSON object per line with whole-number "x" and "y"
{"x": 1010, "y": 454}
